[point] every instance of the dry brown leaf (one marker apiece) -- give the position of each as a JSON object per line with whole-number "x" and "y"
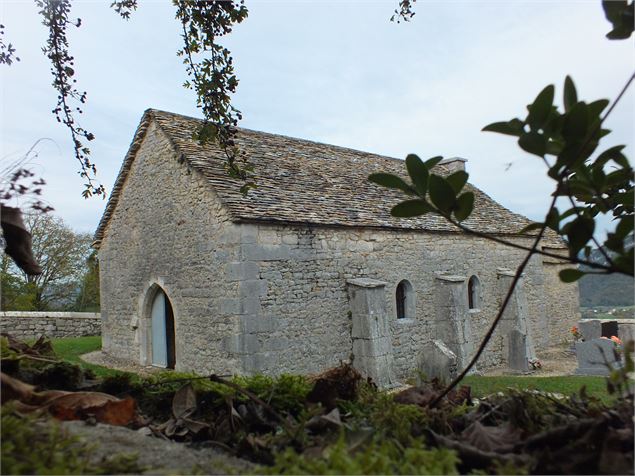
{"x": 193, "y": 425}
{"x": 14, "y": 389}
{"x": 491, "y": 438}
{"x": 42, "y": 398}
{"x": 119, "y": 413}
{"x": 105, "y": 408}
{"x": 184, "y": 402}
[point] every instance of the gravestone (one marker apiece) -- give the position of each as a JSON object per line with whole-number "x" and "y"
{"x": 626, "y": 329}
{"x": 518, "y": 359}
{"x": 438, "y": 361}
{"x": 609, "y": 329}
{"x": 590, "y": 329}
{"x": 595, "y": 356}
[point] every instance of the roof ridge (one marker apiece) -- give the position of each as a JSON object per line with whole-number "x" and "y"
{"x": 288, "y": 137}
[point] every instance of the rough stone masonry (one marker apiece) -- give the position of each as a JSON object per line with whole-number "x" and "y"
{"x": 286, "y": 278}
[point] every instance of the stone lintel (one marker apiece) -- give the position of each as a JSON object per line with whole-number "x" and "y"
{"x": 366, "y": 282}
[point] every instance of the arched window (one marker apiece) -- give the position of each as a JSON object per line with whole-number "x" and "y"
{"x": 473, "y": 293}
{"x": 404, "y": 297}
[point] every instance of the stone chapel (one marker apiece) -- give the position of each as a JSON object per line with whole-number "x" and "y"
{"x": 309, "y": 269}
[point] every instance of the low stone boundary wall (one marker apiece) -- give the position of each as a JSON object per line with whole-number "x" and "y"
{"x": 30, "y": 325}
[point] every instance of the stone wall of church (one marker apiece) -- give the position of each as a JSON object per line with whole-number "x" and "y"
{"x": 168, "y": 230}
{"x": 300, "y": 319}
{"x": 560, "y": 301}
{"x": 252, "y": 297}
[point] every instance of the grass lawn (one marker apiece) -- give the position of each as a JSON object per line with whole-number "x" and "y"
{"x": 71, "y": 348}
{"x": 566, "y": 385}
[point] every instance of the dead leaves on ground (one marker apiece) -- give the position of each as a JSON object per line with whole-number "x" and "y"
{"x": 183, "y": 407}
{"x": 99, "y": 407}
{"x": 521, "y": 430}
{"x": 339, "y": 383}
{"x": 425, "y": 394}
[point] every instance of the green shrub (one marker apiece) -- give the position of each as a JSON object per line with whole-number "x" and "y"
{"x": 380, "y": 456}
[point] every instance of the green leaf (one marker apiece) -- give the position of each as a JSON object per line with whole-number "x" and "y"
{"x": 554, "y": 147}
{"x": 411, "y": 208}
{"x": 625, "y": 226}
{"x": 464, "y": 206}
{"x": 579, "y": 232}
{"x": 418, "y": 173}
{"x": 540, "y": 109}
{"x": 576, "y": 123}
{"x": 621, "y": 14}
{"x": 599, "y": 177}
{"x": 534, "y": 143}
{"x": 570, "y": 275}
{"x": 570, "y": 212}
{"x": 441, "y": 193}
{"x": 570, "y": 94}
{"x": 391, "y": 181}
{"x": 515, "y": 127}
{"x": 457, "y": 180}
{"x": 433, "y": 161}
{"x": 621, "y": 178}
{"x": 553, "y": 219}
{"x": 611, "y": 153}
{"x": 596, "y": 107}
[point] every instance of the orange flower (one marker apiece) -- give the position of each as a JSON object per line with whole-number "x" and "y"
{"x": 616, "y": 340}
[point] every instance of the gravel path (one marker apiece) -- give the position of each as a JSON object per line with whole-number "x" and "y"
{"x": 105, "y": 360}
{"x": 556, "y": 361}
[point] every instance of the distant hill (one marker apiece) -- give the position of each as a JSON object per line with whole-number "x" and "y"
{"x": 606, "y": 290}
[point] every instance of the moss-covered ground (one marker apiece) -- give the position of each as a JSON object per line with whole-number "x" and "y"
{"x": 334, "y": 424}
{"x": 71, "y": 349}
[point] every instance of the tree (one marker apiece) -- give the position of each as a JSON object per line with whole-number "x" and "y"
{"x": 87, "y": 299}
{"x": 203, "y": 23}
{"x": 17, "y": 295}
{"x": 61, "y": 254}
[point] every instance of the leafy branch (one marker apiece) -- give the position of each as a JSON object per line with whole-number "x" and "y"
{"x": 7, "y": 51}
{"x": 405, "y": 11}
{"x": 572, "y": 137}
{"x": 18, "y": 181}
{"x": 54, "y": 15}
{"x": 124, "y": 8}
{"x": 213, "y": 77}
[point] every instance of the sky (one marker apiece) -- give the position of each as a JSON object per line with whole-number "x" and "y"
{"x": 337, "y": 72}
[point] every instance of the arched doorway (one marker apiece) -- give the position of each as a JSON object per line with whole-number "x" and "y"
{"x": 163, "y": 353}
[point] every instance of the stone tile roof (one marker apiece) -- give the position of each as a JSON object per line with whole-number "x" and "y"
{"x": 306, "y": 182}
